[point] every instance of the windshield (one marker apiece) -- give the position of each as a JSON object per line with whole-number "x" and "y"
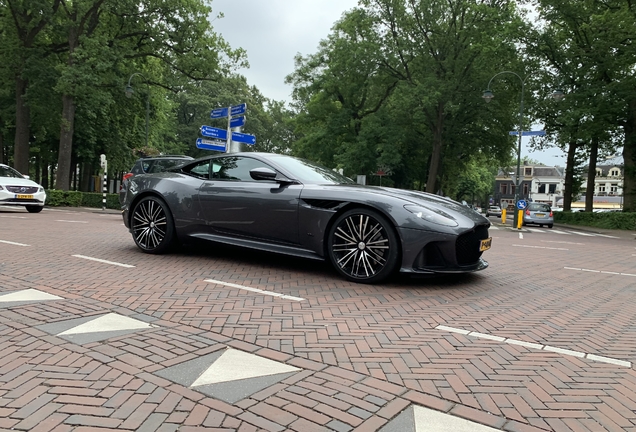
{"x": 309, "y": 172}
{"x": 539, "y": 207}
{"x": 6, "y": 171}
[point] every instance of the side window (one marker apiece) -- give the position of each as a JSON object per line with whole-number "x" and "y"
{"x": 200, "y": 170}
{"x": 145, "y": 166}
{"x": 235, "y": 168}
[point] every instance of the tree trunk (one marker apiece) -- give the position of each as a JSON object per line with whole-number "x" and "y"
{"x": 431, "y": 183}
{"x": 629, "y": 158}
{"x": 569, "y": 177}
{"x": 591, "y": 175}
{"x": 1, "y": 148}
{"x": 62, "y": 181}
{"x": 22, "y": 133}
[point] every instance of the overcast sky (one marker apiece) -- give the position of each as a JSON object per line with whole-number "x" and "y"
{"x": 274, "y": 31}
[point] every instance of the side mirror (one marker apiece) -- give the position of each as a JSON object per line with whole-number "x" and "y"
{"x": 263, "y": 173}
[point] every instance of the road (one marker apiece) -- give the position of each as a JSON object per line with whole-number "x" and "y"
{"x": 97, "y": 336}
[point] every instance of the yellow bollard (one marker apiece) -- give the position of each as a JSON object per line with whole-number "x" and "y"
{"x": 503, "y": 216}
{"x": 519, "y": 219}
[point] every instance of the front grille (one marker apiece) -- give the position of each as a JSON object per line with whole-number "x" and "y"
{"x": 22, "y": 189}
{"x": 467, "y": 245}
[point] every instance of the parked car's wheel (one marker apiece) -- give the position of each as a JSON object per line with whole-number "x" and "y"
{"x": 362, "y": 246}
{"x": 550, "y": 226}
{"x": 152, "y": 225}
{"x": 34, "y": 209}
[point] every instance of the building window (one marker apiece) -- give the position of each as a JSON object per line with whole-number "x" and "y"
{"x": 525, "y": 189}
{"x": 615, "y": 173}
{"x": 601, "y": 188}
{"x": 527, "y": 171}
{"x": 504, "y": 189}
{"x": 552, "y": 188}
{"x": 599, "y": 172}
{"x": 542, "y": 188}
{"x": 513, "y": 189}
{"x": 614, "y": 188}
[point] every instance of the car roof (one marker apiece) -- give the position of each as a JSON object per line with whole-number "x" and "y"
{"x": 166, "y": 157}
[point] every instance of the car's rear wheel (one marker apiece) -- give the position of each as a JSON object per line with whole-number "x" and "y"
{"x": 550, "y": 226}
{"x": 362, "y": 246}
{"x": 34, "y": 209}
{"x": 152, "y": 225}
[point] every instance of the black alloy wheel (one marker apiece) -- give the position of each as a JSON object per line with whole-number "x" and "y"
{"x": 362, "y": 246}
{"x": 152, "y": 225}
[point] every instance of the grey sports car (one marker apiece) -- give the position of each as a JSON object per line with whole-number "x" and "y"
{"x": 287, "y": 205}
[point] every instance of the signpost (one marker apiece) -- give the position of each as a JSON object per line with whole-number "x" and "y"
{"x": 223, "y": 138}
{"x": 521, "y": 206}
{"x": 216, "y": 145}
{"x": 528, "y": 133}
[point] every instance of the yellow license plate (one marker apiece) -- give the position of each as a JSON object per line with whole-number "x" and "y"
{"x": 24, "y": 196}
{"x": 539, "y": 214}
{"x": 485, "y": 244}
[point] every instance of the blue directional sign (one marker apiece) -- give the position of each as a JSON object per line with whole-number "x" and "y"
{"x": 522, "y": 204}
{"x": 211, "y": 145}
{"x": 237, "y": 122}
{"x": 528, "y": 133}
{"x": 238, "y": 109}
{"x": 244, "y": 138}
{"x": 218, "y": 113}
{"x": 212, "y": 132}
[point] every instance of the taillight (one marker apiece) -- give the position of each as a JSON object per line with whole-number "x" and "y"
{"x": 551, "y": 213}
{"x": 527, "y": 212}
{"x": 126, "y": 176}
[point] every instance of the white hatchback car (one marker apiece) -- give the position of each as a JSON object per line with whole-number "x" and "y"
{"x": 16, "y": 189}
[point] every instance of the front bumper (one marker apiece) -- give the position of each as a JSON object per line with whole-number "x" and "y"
{"x": 10, "y": 198}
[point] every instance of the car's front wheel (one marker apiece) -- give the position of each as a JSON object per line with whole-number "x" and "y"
{"x": 362, "y": 246}
{"x": 152, "y": 225}
{"x": 34, "y": 209}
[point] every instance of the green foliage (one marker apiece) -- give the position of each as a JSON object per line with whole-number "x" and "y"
{"x": 609, "y": 220}
{"x": 58, "y": 198}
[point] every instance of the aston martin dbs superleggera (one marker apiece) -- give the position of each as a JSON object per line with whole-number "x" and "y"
{"x": 292, "y": 206}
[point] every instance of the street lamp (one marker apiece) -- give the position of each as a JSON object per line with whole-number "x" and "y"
{"x": 488, "y": 95}
{"x": 129, "y": 92}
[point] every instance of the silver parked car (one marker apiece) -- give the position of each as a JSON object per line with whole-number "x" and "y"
{"x": 493, "y": 210}
{"x": 538, "y": 214}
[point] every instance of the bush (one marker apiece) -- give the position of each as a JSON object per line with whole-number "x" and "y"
{"x": 609, "y": 220}
{"x": 58, "y": 198}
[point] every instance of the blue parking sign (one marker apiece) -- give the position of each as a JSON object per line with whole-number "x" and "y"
{"x": 522, "y": 204}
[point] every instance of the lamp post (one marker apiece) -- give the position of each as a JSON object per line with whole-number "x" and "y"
{"x": 488, "y": 95}
{"x": 129, "y": 93}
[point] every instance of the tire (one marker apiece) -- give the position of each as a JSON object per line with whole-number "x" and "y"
{"x": 152, "y": 225}
{"x": 550, "y": 226}
{"x": 540, "y": 225}
{"x": 34, "y": 209}
{"x": 362, "y": 246}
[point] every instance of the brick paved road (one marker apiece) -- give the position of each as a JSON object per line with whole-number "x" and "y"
{"x": 544, "y": 339}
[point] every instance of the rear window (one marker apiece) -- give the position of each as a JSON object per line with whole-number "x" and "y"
{"x": 539, "y": 207}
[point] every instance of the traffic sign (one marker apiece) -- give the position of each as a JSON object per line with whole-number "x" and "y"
{"x": 528, "y": 133}
{"x": 218, "y": 113}
{"x": 522, "y": 204}
{"x": 238, "y": 109}
{"x": 244, "y": 138}
{"x": 212, "y": 132}
{"x": 237, "y": 122}
{"x": 211, "y": 145}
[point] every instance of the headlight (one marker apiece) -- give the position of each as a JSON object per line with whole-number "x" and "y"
{"x": 435, "y": 216}
{"x": 41, "y": 189}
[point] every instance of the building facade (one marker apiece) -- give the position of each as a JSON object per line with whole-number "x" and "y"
{"x": 539, "y": 183}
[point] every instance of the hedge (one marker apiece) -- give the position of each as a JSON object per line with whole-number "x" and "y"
{"x": 608, "y": 220}
{"x": 58, "y": 198}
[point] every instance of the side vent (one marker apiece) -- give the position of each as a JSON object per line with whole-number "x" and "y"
{"x": 323, "y": 204}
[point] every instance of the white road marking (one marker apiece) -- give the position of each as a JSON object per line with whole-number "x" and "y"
{"x": 256, "y": 290}
{"x": 13, "y": 243}
{"x": 14, "y": 217}
{"x": 605, "y": 235}
{"x": 108, "y": 322}
{"x": 27, "y": 295}
{"x": 540, "y": 247}
{"x": 581, "y": 233}
{"x": 600, "y": 271}
{"x": 536, "y": 230}
{"x": 560, "y": 232}
{"x": 563, "y": 242}
{"x": 521, "y": 236}
{"x": 71, "y": 221}
{"x": 104, "y": 261}
{"x": 537, "y": 346}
